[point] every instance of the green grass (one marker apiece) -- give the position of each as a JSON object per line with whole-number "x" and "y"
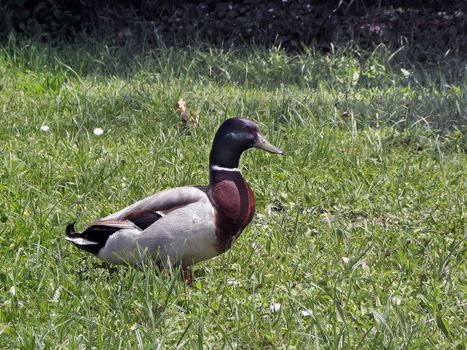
{"x": 360, "y": 229}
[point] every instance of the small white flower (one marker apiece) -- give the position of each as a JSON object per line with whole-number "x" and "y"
{"x": 275, "y": 307}
{"x": 56, "y": 296}
{"x": 306, "y": 313}
{"x": 256, "y": 246}
{"x": 233, "y": 282}
{"x": 345, "y": 259}
{"x": 45, "y": 128}
{"x": 98, "y": 131}
{"x": 406, "y": 72}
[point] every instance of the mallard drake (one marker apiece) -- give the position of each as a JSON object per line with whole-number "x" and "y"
{"x": 184, "y": 225}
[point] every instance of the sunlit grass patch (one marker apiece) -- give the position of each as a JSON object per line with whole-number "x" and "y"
{"x": 358, "y": 241}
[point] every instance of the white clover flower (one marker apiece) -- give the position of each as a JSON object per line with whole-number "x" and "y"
{"x": 256, "y": 246}
{"x": 98, "y": 131}
{"x": 275, "y": 307}
{"x": 345, "y": 259}
{"x": 45, "y": 128}
{"x": 406, "y": 72}
{"x": 306, "y": 313}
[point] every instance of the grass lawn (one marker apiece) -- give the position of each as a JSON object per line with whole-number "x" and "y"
{"x": 359, "y": 237}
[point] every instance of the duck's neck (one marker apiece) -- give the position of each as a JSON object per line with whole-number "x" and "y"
{"x": 223, "y": 162}
{"x": 224, "y": 155}
{"x": 218, "y": 173}
{"x": 227, "y": 148}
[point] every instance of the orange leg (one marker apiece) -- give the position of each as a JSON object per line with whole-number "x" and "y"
{"x": 187, "y": 276}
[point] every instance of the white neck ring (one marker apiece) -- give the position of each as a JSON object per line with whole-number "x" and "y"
{"x": 220, "y": 168}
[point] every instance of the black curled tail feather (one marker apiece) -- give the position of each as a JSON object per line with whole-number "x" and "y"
{"x": 71, "y": 234}
{"x": 70, "y": 229}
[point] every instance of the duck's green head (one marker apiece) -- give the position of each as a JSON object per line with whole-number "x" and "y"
{"x": 235, "y": 136}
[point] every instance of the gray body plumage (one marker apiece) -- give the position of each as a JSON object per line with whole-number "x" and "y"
{"x": 185, "y": 233}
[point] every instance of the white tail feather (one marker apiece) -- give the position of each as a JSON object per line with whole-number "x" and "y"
{"x": 80, "y": 241}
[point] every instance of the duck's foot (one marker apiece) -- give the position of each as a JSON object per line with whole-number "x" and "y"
{"x": 187, "y": 276}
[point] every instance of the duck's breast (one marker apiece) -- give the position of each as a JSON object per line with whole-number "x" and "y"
{"x": 234, "y": 203}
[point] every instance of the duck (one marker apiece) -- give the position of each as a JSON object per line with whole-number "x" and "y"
{"x": 184, "y": 225}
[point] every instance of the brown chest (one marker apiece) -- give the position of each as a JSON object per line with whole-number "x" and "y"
{"x": 234, "y": 203}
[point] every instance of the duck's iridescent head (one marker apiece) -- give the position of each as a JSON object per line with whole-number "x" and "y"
{"x": 235, "y": 136}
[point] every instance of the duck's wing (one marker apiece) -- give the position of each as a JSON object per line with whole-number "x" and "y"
{"x": 150, "y": 209}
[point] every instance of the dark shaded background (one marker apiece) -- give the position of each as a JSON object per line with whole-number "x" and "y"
{"x": 428, "y": 26}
